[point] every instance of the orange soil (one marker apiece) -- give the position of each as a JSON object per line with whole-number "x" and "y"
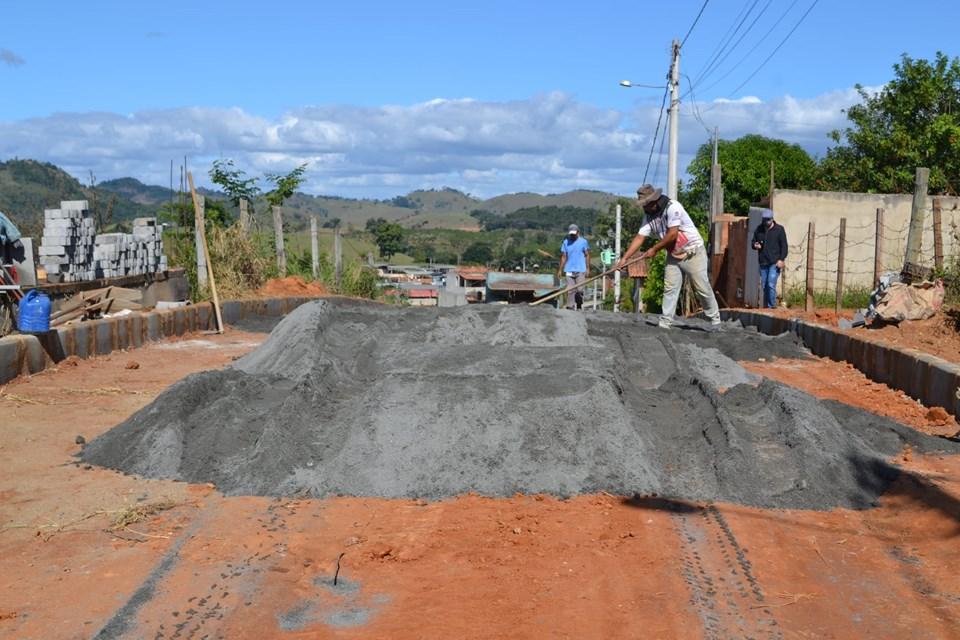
{"x": 525, "y": 567}
{"x": 937, "y": 335}
{"x": 291, "y": 286}
{"x": 842, "y": 381}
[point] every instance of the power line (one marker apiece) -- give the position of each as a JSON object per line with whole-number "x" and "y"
{"x": 656, "y": 172}
{"x": 723, "y": 47}
{"x": 695, "y": 21}
{"x": 720, "y": 60}
{"x": 653, "y": 144}
{"x": 755, "y": 47}
{"x": 773, "y": 53}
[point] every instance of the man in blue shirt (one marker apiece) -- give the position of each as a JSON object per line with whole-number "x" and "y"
{"x": 575, "y": 263}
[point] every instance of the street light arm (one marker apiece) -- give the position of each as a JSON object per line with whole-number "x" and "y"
{"x": 634, "y": 85}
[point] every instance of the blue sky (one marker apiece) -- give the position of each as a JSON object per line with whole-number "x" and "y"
{"x": 383, "y": 97}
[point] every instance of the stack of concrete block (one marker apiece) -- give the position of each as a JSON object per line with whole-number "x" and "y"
{"x": 126, "y": 254}
{"x": 66, "y": 250}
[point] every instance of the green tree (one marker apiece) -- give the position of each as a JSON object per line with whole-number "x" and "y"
{"x": 746, "y": 171}
{"x": 233, "y": 182}
{"x": 389, "y": 239}
{"x": 478, "y": 253}
{"x": 284, "y": 185}
{"x": 913, "y": 121}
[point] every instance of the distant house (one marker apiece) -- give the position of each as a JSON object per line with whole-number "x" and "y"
{"x": 422, "y": 297}
{"x": 473, "y": 280}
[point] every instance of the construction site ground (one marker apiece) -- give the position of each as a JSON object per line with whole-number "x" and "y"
{"x": 939, "y": 335}
{"x": 88, "y": 552}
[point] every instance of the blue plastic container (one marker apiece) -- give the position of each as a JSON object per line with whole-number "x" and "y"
{"x": 34, "y": 312}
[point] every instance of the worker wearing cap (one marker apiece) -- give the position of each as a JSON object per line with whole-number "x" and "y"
{"x": 770, "y": 243}
{"x": 575, "y": 263}
{"x": 670, "y": 223}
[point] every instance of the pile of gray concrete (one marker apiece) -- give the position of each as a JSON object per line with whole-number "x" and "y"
{"x": 66, "y": 251}
{"x": 124, "y": 254}
{"x": 352, "y": 398}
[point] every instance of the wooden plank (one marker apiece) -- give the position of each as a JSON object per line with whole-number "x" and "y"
{"x": 811, "y": 240}
{"x": 937, "y": 235}
{"x": 843, "y": 240}
{"x": 878, "y": 249}
{"x": 206, "y": 253}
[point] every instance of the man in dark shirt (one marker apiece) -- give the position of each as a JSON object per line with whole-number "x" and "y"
{"x": 770, "y": 242}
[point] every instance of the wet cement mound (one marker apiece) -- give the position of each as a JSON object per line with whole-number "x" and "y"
{"x": 353, "y": 398}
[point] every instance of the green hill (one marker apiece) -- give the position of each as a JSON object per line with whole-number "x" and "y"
{"x": 27, "y": 187}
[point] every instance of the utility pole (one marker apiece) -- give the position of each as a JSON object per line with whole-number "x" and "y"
{"x": 337, "y": 258}
{"x": 616, "y": 257}
{"x": 674, "y": 122}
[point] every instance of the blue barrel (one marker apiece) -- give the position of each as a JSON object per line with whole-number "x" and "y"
{"x": 34, "y": 312}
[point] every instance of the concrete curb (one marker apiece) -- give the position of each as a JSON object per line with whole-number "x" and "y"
{"x": 21, "y": 354}
{"x": 931, "y": 380}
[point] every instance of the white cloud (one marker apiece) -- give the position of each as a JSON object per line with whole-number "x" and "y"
{"x": 547, "y": 143}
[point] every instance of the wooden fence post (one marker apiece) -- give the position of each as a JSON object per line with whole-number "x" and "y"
{"x": 811, "y": 238}
{"x": 911, "y": 261}
{"x": 843, "y": 239}
{"x": 314, "y": 247}
{"x": 244, "y": 216}
{"x": 937, "y": 235}
{"x": 878, "y": 249}
{"x": 337, "y": 257}
{"x": 278, "y": 240}
{"x": 199, "y": 221}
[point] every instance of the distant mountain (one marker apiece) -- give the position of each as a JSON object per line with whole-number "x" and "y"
{"x": 134, "y": 190}
{"x": 27, "y": 187}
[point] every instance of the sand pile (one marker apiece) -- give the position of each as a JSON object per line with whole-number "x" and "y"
{"x": 353, "y": 398}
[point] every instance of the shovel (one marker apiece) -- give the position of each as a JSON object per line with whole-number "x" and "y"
{"x": 560, "y": 292}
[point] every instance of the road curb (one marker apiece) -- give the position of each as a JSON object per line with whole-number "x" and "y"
{"x": 32, "y": 353}
{"x": 929, "y": 379}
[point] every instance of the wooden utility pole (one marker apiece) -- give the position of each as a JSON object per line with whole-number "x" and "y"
{"x": 878, "y": 249}
{"x": 840, "y": 250}
{"x": 200, "y": 204}
{"x": 278, "y": 240}
{"x": 337, "y": 257}
{"x": 616, "y": 254}
{"x": 811, "y": 239}
{"x": 197, "y": 208}
{"x": 244, "y": 215}
{"x": 911, "y": 262}
{"x": 937, "y": 235}
{"x": 314, "y": 247}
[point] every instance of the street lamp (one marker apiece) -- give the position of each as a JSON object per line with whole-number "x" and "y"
{"x": 635, "y": 85}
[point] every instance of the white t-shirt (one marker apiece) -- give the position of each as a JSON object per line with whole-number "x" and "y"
{"x": 674, "y": 216}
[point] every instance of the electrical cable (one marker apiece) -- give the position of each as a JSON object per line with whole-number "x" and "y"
{"x": 653, "y": 144}
{"x": 720, "y": 60}
{"x": 754, "y": 48}
{"x": 695, "y": 21}
{"x": 773, "y": 53}
{"x": 726, "y": 44}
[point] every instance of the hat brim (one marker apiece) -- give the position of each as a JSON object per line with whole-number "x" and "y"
{"x": 647, "y": 199}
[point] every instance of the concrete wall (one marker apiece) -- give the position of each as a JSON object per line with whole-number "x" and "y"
{"x": 795, "y": 209}
{"x": 23, "y": 354}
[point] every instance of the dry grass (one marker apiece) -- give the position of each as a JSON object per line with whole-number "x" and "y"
{"x": 239, "y": 265}
{"x": 138, "y": 513}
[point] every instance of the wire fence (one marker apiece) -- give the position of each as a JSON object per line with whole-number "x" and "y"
{"x": 864, "y": 259}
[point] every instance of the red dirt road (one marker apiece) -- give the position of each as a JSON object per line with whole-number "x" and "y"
{"x": 525, "y": 567}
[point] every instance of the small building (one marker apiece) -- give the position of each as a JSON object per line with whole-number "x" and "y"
{"x": 422, "y": 297}
{"x": 511, "y": 288}
{"x": 473, "y": 280}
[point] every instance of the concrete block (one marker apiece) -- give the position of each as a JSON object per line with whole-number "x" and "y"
{"x": 21, "y": 354}
{"x": 74, "y": 205}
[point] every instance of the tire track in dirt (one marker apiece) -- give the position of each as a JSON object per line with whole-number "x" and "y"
{"x": 724, "y": 591}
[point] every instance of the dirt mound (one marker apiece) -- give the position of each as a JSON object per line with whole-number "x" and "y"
{"x": 291, "y": 286}
{"x": 352, "y": 398}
